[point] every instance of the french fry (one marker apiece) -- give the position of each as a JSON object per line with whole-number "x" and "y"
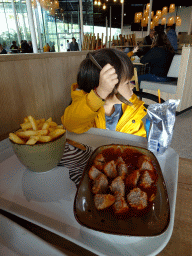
{"x": 33, "y": 131}
{"x": 15, "y": 138}
{"x": 27, "y": 134}
{"x": 51, "y": 129}
{"x": 32, "y": 140}
{"x": 52, "y": 124}
{"x": 49, "y": 120}
{"x": 40, "y": 123}
{"x": 43, "y": 132}
{"x": 59, "y": 126}
{"x": 26, "y": 119}
{"x": 56, "y": 133}
{"x": 44, "y": 138}
{"x": 26, "y": 125}
{"x": 45, "y": 126}
{"x": 33, "y": 122}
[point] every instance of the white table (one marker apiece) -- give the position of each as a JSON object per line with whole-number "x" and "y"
{"x": 46, "y": 199}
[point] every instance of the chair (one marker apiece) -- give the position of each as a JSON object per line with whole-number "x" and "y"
{"x": 169, "y": 86}
{"x": 135, "y": 79}
{"x": 180, "y": 88}
{"x": 141, "y": 94}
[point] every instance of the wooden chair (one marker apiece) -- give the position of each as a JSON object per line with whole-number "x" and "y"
{"x": 135, "y": 79}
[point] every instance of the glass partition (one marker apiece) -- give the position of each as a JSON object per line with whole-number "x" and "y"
{"x": 55, "y": 22}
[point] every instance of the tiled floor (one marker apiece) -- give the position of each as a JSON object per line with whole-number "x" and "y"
{"x": 182, "y": 135}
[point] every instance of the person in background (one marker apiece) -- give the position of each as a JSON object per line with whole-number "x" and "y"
{"x": 74, "y": 45}
{"x": 14, "y": 47}
{"x": 24, "y": 46}
{"x": 68, "y": 46}
{"x": 30, "y": 50}
{"x": 146, "y": 43}
{"x": 122, "y": 41}
{"x": 172, "y": 36}
{"x": 52, "y": 47}
{"x": 94, "y": 103}
{"x": 2, "y": 50}
{"x": 46, "y": 48}
{"x": 159, "y": 59}
{"x": 149, "y": 39}
{"x": 98, "y": 45}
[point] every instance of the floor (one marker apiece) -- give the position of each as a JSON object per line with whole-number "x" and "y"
{"x": 182, "y": 135}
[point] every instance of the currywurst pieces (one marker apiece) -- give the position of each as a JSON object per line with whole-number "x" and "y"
{"x": 103, "y": 201}
{"x": 121, "y": 186}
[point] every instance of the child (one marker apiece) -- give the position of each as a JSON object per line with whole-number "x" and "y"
{"x": 94, "y": 103}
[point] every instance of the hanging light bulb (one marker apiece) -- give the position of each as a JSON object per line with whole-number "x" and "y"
{"x": 163, "y": 21}
{"x": 152, "y": 14}
{"x": 122, "y": 1}
{"x": 143, "y": 22}
{"x": 104, "y": 6}
{"x": 172, "y": 8}
{"x": 178, "y": 17}
{"x": 146, "y": 12}
{"x": 158, "y": 13}
{"x": 140, "y": 14}
{"x": 95, "y": 2}
{"x": 99, "y": 3}
{"x": 136, "y": 19}
{"x": 178, "y": 21}
{"x": 170, "y": 21}
{"x": 156, "y": 20}
{"x": 164, "y": 10}
{"x": 56, "y": 4}
{"x": 152, "y": 25}
{"x": 148, "y": 6}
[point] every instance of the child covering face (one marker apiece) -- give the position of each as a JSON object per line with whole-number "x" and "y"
{"x": 94, "y": 103}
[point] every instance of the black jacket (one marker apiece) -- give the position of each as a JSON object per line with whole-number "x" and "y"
{"x": 74, "y": 46}
{"x": 159, "y": 60}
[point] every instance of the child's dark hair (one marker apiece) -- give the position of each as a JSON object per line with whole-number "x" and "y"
{"x": 88, "y": 75}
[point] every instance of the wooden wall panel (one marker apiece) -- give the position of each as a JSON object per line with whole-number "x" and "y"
{"x": 35, "y": 84}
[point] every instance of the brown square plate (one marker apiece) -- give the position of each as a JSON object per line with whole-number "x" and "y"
{"x": 151, "y": 221}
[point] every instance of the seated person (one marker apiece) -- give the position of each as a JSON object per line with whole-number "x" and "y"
{"x": 2, "y": 50}
{"x": 172, "y": 36}
{"x": 94, "y": 103}
{"x": 14, "y": 47}
{"x": 146, "y": 44}
{"x": 159, "y": 59}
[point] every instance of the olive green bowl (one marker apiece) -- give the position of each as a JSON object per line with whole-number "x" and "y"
{"x": 41, "y": 157}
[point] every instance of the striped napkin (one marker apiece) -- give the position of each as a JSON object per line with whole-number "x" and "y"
{"x": 75, "y": 160}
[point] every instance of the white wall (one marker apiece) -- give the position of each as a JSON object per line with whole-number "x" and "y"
{"x": 185, "y": 14}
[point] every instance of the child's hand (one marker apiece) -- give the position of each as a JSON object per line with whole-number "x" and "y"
{"x": 135, "y": 49}
{"x": 107, "y": 81}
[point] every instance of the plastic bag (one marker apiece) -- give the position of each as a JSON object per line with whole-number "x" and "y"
{"x": 159, "y": 125}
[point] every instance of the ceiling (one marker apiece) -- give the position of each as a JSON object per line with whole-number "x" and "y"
{"x": 69, "y": 10}
{"x": 130, "y": 7}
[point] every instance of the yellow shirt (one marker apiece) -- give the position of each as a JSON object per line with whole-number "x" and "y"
{"x": 87, "y": 111}
{"x": 46, "y": 48}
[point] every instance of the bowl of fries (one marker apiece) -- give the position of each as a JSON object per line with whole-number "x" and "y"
{"x": 39, "y": 144}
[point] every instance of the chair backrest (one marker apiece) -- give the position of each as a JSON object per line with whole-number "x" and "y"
{"x": 174, "y": 67}
{"x": 135, "y": 79}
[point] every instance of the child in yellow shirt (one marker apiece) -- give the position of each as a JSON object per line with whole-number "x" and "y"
{"x": 94, "y": 103}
